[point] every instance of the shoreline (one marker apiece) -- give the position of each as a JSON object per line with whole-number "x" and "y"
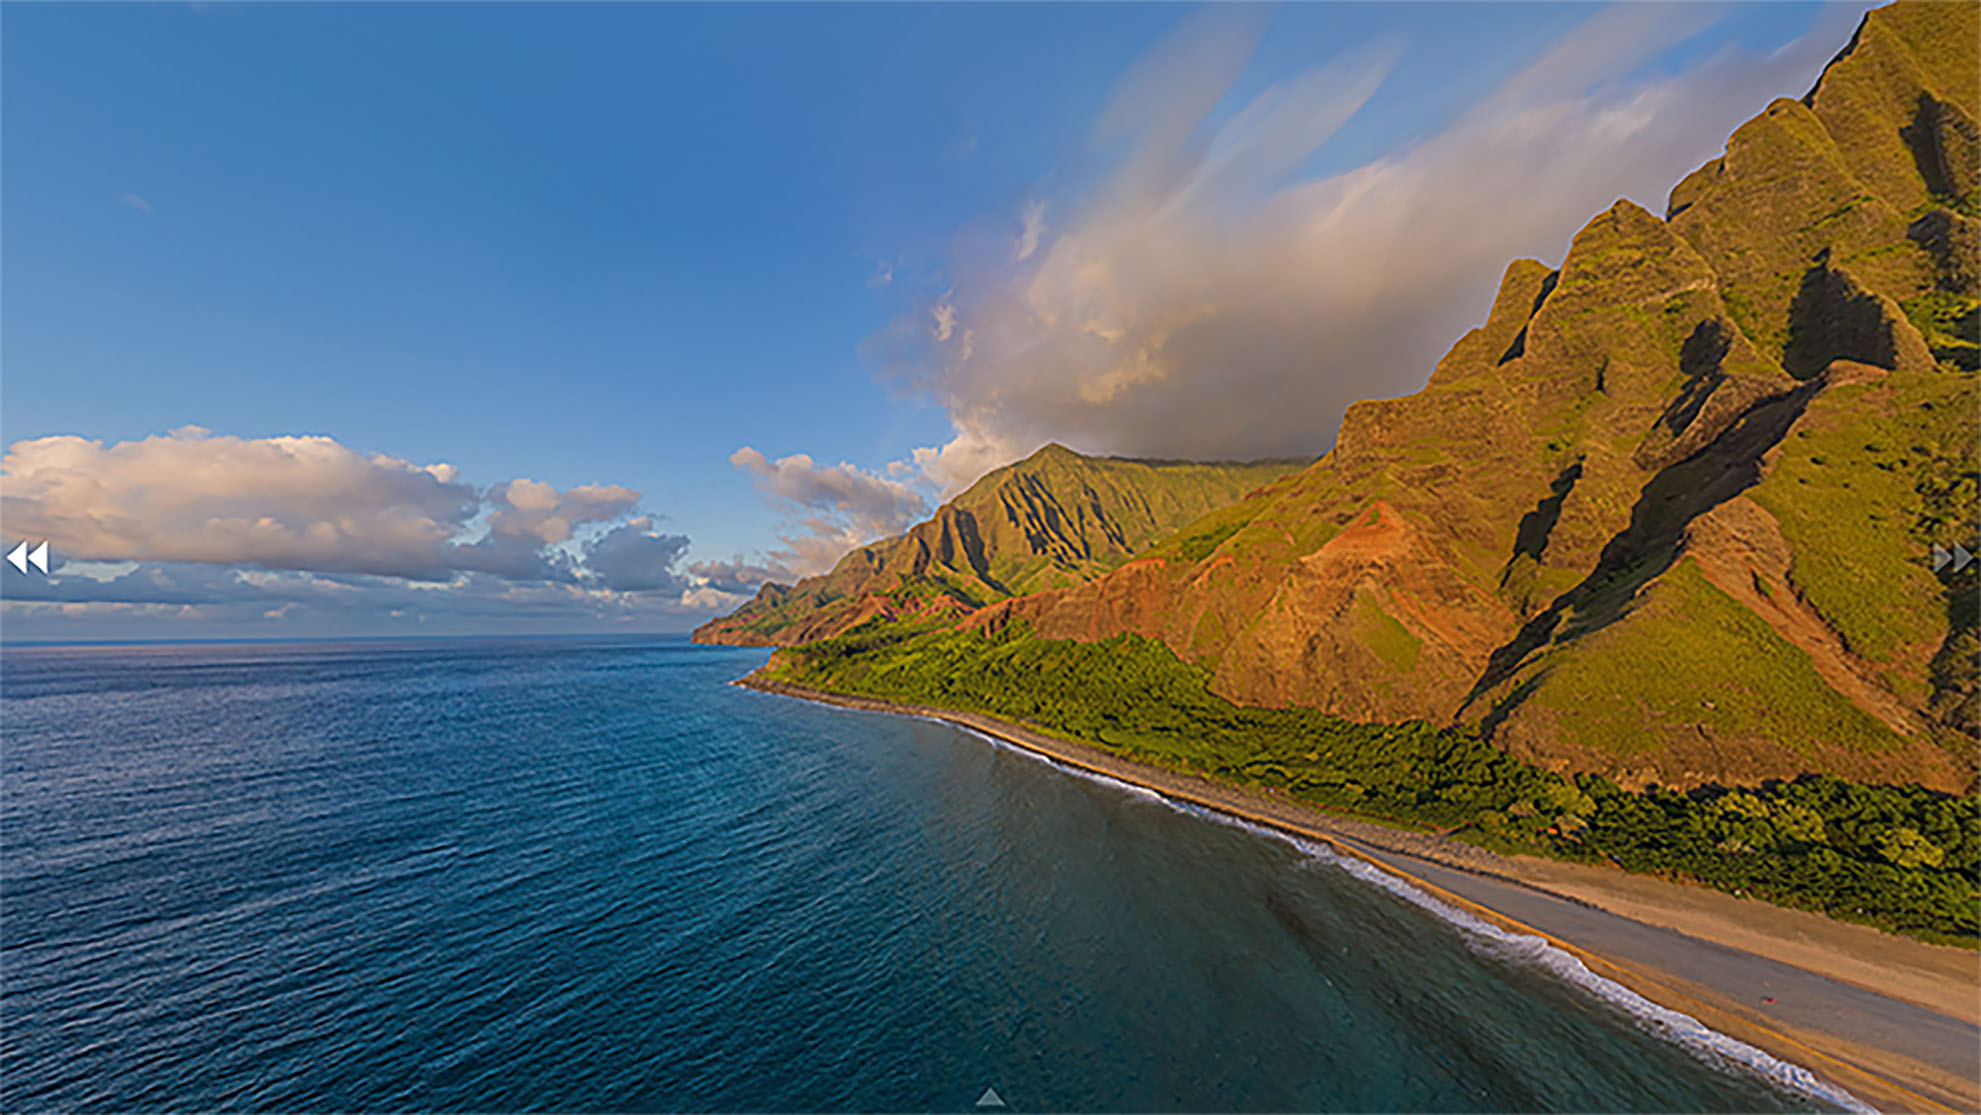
{"x": 1680, "y": 947}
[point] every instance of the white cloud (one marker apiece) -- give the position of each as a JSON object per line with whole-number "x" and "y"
{"x": 965, "y": 457}
{"x": 944, "y": 315}
{"x": 1033, "y": 225}
{"x": 815, "y": 543}
{"x": 710, "y": 600}
{"x": 738, "y": 577}
{"x": 864, "y": 502}
{"x": 831, "y": 508}
{"x": 536, "y": 511}
{"x": 135, "y": 202}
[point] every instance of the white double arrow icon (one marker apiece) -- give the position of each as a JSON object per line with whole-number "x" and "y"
{"x": 1959, "y": 557}
{"x": 22, "y": 555}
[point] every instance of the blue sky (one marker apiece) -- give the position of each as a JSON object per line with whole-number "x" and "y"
{"x": 612, "y": 245}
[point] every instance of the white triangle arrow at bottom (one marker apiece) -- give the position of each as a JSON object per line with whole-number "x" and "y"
{"x": 989, "y": 1099}
{"x": 19, "y": 558}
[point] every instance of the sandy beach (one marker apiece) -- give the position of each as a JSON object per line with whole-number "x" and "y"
{"x": 1893, "y": 1021}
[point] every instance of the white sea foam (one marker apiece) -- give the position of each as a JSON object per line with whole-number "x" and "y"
{"x": 1715, "y": 1047}
{"x": 1688, "y": 1032}
{"x": 1129, "y": 788}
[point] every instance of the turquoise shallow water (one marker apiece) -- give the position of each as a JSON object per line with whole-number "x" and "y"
{"x": 587, "y": 874}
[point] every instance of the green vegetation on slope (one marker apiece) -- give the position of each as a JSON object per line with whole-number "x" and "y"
{"x": 1391, "y": 641}
{"x": 1615, "y": 690}
{"x": 1951, "y": 324}
{"x": 1870, "y": 478}
{"x": 1903, "y": 859}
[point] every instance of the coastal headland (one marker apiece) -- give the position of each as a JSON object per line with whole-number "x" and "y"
{"x": 1893, "y": 1021}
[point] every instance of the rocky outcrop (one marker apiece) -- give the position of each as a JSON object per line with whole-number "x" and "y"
{"x": 1378, "y": 623}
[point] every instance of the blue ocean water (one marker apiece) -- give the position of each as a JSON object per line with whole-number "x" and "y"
{"x": 588, "y": 874}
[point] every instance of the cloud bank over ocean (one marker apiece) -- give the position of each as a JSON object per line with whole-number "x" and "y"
{"x": 216, "y": 527}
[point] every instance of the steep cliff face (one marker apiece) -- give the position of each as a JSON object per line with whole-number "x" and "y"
{"x": 1054, "y": 519}
{"x": 1668, "y": 513}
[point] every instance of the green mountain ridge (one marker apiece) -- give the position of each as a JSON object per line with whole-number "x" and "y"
{"x": 1666, "y": 515}
{"x": 1054, "y": 519}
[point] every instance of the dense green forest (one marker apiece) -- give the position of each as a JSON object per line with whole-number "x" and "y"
{"x": 1900, "y": 858}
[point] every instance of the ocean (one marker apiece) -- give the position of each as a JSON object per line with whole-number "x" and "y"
{"x": 588, "y": 874}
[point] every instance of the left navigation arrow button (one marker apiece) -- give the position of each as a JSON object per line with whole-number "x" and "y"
{"x": 19, "y": 557}
{"x": 39, "y": 556}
